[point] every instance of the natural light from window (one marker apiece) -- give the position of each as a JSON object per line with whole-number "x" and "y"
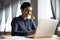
{"x": 44, "y": 9}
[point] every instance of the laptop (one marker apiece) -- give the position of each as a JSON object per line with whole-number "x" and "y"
{"x": 46, "y": 28}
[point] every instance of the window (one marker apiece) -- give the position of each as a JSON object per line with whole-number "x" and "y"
{"x": 44, "y": 9}
{"x": 12, "y": 10}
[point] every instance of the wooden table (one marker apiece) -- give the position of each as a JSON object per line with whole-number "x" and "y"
{"x": 5, "y": 35}
{"x": 52, "y": 38}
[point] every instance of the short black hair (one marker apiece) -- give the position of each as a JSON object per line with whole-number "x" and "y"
{"x": 25, "y": 4}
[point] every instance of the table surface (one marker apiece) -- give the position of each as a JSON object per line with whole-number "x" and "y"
{"x": 55, "y": 37}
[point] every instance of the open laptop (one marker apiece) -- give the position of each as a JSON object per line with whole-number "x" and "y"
{"x": 46, "y": 28}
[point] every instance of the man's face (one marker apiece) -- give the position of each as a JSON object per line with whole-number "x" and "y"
{"x": 27, "y": 12}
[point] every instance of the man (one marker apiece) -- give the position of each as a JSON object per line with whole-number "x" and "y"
{"x": 22, "y": 26}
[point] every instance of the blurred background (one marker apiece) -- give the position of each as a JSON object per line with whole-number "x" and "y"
{"x": 49, "y": 9}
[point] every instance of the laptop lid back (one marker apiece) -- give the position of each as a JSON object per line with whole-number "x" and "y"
{"x": 46, "y": 27}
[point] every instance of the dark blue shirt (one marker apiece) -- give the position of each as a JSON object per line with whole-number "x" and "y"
{"x": 20, "y": 27}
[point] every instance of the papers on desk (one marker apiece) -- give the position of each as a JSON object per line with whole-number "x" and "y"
{"x": 16, "y": 38}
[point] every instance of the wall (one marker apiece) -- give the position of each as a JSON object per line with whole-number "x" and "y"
{"x": 1, "y": 13}
{"x": 35, "y": 10}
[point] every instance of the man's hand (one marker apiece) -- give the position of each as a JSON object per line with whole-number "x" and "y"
{"x": 31, "y": 32}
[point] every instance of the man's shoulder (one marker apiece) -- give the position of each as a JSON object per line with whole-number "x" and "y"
{"x": 16, "y": 18}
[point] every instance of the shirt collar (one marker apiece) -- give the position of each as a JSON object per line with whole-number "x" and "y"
{"x": 22, "y": 18}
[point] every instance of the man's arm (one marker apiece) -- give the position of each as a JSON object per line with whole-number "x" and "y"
{"x": 33, "y": 25}
{"x": 15, "y": 31}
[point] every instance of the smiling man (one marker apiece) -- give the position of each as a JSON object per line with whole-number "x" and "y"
{"x": 22, "y": 26}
